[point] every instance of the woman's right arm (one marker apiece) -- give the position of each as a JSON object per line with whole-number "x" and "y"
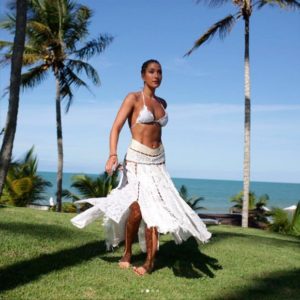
{"x": 124, "y": 112}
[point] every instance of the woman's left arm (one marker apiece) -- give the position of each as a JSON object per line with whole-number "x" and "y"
{"x": 123, "y": 114}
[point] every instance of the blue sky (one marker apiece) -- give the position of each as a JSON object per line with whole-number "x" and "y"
{"x": 204, "y": 137}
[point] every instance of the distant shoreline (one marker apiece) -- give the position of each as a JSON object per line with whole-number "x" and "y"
{"x": 216, "y": 192}
{"x": 189, "y": 178}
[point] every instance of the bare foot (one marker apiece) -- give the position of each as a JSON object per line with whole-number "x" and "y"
{"x": 142, "y": 270}
{"x": 124, "y": 262}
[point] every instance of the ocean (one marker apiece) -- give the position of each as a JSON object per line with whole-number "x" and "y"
{"x": 216, "y": 193}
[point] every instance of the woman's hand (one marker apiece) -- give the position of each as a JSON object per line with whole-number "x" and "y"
{"x": 111, "y": 164}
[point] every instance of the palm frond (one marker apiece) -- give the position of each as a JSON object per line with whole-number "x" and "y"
{"x": 84, "y": 184}
{"x": 89, "y": 187}
{"x": 66, "y": 91}
{"x": 280, "y": 221}
{"x": 238, "y": 198}
{"x": 9, "y": 24}
{"x": 95, "y": 46}
{"x": 67, "y": 78}
{"x": 214, "y": 3}
{"x": 5, "y": 60}
{"x": 39, "y": 29}
{"x": 69, "y": 195}
{"x": 290, "y": 4}
{"x": 195, "y": 202}
{"x": 76, "y": 27}
{"x": 197, "y": 208}
{"x": 262, "y": 201}
{"x": 196, "y": 198}
{"x": 30, "y": 55}
{"x": 29, "y": 163}
{"x": 29, "y": 155}
{"x": 22, "y": 185}
{"x": 191, "y": 201}
{"x": 253, "y": 203}
{"x": 30, "y": 59}
{"x": 183, "y": 192}
{"x": 71, "y": 78}
{"x": 4, "y": 44}
{"x": 222, "y": 27}
{"x": 79, "y": 66}
{"x": 34, "y": 76}
{"x": 31, "y": 48}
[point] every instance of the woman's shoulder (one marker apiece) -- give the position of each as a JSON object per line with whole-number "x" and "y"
{"x": 131, "y": 99}
{"x": 133, "y": 96}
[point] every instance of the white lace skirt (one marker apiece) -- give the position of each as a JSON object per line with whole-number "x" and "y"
{"x": 145, "y": 180}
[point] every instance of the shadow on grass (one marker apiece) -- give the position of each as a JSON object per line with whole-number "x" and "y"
{"x": 30, "y": 270}
{"x": 277, "y": 285}
{"x": 184, "y": 260}
{"x": 38, "y": 230}
{"x": 268, "y": 240}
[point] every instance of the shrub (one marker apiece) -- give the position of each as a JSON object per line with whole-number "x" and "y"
{"x": 283, "y": 224}
{"x": 67, "y": 207}
{"x": 22, "y": 184}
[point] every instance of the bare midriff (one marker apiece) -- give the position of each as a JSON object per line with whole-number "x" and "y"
{"x": 147, "y": 134}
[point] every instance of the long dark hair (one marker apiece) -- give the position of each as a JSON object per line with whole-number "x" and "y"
{"x": 147, "y": 63}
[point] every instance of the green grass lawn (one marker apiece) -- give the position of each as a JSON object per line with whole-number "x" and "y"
{"x": 42, "y": 256}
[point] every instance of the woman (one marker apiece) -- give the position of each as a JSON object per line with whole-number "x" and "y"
{"x": 146, "y": 202}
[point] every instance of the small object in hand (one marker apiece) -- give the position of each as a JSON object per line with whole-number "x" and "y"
{"x": 114, "y": 167}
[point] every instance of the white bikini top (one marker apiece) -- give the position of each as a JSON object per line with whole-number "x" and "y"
{"x": 146, "y": 116}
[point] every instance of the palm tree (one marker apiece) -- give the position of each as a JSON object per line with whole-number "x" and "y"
{"x": 23, "y": 185}
{"x": 258, "y": 213}
{"x": 14, "y": 89}
{"x": 55, "y": 30}
{"x": 254, "y": 202}
{"x": 89, "y": 187}
{"x": 223, "y": 27}
{"x": 193, "y": 201}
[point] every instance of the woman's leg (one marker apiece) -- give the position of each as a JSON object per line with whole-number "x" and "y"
{"x": 132, "y": 227}
{"x": 151, "y": 236}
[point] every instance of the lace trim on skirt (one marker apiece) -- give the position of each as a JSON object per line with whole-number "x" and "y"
{"x": 146, "y": 180}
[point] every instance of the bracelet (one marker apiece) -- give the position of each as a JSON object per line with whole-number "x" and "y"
{"x": 112, "y": 155}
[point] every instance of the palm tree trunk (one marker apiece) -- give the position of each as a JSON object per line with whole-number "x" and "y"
{"x": 14, "y": 90}
{"x": 59, "y": 146}
{"x": 246, "y": 187}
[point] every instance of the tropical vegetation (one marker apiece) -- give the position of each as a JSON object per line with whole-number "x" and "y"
{"x": 55, "y": 35}
{"x": 258, "y": 213}
{"x": 284, "y": 222}
{"x": 192, "y": 201}
{"x": 23, "y": 185}
{"x": 223, "y": 27}
{"x": 90, "y": 187}
{"x": 254, "y": 201}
